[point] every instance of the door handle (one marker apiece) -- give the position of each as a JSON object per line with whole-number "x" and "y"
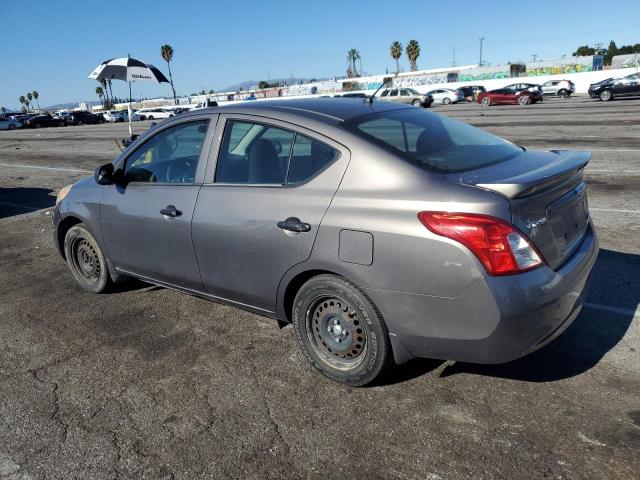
{"x": 170, "y": 211}
{"x": 293, "y": 224}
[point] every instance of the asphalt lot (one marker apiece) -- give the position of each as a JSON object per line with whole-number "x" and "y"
{"x": 149, "y": 383}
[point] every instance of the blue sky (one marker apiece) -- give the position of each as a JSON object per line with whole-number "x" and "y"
{"x": 52, "y": 46}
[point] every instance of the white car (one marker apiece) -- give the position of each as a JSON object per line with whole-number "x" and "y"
{"x": 446, "y": 96}
{"x": 120, "y": 116}
{"x": 9, "y": 123}
{"x": 154, "y": 113}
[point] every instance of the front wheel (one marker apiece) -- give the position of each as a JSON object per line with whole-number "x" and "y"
{"x": 486, "y": 101}
{"x": 606, "y": 95}
{"x": 340, "y": 331}
{"x": 86, "y": 260}
{"x": 416, "y": 103}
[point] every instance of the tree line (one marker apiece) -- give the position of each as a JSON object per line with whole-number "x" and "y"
{"x": 608, "y": 53}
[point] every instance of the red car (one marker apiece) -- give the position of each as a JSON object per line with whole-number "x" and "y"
{"x": 512, "y": 94}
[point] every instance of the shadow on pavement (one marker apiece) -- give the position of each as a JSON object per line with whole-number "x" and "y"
{"x": 615, "y": 283}
{"x": 16, "y": 201}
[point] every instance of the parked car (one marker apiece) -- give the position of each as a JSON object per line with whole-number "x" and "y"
{"x": 470, "y": 92}
{"x": 154, "y": 113}
{"x": 446, "y": 96}
{"x": 406, "y": 95}
{"x": 207, "y": 104}
{"x": 510, "y": 95}
{"x": 352, "y": 95}
{"x": 617, "y": 87}
{"x": 561, "y": 88}
{"x": 82, "y": 117}
{"x": 336, "y": 216}
{"x": 40, "y": 121}
{"x": 9, "y": 123}
{"x": 601, "y": 82}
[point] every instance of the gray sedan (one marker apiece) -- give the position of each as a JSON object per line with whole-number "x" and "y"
{"x": 382, "y": 232}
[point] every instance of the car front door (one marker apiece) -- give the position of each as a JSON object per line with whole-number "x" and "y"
{"x": 258, "y": 214}
{"x": 146, "y": 216}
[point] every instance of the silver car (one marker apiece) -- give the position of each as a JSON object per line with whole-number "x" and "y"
{"x": 561, "y": 88}
{"x": 382, "y": 232}
{"x": 406, "y": 95}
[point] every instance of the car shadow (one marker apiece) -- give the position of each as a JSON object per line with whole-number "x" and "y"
{"x": 19, "y": 200}
{"x": 613, "y": 298}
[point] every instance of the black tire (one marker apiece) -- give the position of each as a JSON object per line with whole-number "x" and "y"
{"x": 12, "y": 126}
{"x": 329, "y": 310}
{"x": 606, "y": 95}
{"x": 563, "y": 93}
{"x": 150, "y": 117}
{"x": 486, "y": 101}
{"x": 524, "y": 100}
{"x": 416, "y": 103}
{"x": 446, "y": 101}
{"x": 86, "y": 260}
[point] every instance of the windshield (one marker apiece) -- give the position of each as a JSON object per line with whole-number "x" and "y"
{"x": 434, "y": 141}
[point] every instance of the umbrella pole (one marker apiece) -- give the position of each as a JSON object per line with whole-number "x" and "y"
{"x": 130, "y": 93}
{"x": 130, "y": 114}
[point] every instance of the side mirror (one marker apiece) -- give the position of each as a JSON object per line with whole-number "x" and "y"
{"x": 104, "y": 174}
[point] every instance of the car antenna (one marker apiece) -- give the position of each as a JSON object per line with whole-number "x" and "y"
{"x": 386, "y": 81}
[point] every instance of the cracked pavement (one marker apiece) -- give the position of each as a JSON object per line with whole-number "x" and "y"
{"x": 146, "y": 382}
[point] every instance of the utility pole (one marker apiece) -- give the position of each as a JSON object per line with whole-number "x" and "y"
{"x": 481, "y": 40}
{"x": 534, "y": 57}
{"x": 453, "y": 64}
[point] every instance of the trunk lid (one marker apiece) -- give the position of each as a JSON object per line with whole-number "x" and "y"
{"x": 547, "y": 194}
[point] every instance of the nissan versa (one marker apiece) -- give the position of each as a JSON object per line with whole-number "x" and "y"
{"x": 381, "y": 231}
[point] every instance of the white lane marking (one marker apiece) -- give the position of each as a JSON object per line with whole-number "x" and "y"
{"x": 44, "y": 168}
{"x": 632, "y": 172}
{"x": 17, "y": 205}
{"x": 607, "y": 308}
{"x": 615, "y": 210}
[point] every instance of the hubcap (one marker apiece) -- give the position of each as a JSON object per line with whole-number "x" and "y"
{"x": 86, "y": 259}
{"x": 336, "y": 332}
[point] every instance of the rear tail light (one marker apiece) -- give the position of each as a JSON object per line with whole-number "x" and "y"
{"x": 500, "y": 247}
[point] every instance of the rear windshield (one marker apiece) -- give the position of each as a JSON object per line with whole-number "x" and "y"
{"x": 434, "y": 141}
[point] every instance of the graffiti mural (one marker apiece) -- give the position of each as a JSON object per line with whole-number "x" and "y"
{"x": 559, "y": 69}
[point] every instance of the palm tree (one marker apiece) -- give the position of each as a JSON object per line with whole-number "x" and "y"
{"x": 167, "y": 54}
{"x": 30, "y": 97}
{"x": 413, "y": 52}
{"x": 352, "y": 56}
{"x": 396, "y": 53}
{"x": 3, "y": 109}
{"x": 27, "y": 102}
{"x": 23, "y": 100}
{"x": 100, "y": 93}
{"x": 105, "y": 92}
{"x": 110, "y": 91}
{"x": 35, "y": 96}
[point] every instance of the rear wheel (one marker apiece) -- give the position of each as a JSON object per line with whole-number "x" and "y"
{"x": 446, "y": 100}
{"x": 340, "y": 331}
{"x": 564, "y": 93}
{"x": 524, "y": 100}
{"x": 606, "y": 95}
{"x": 486, "y": 101}
{"x": 150, "y": 117}
{"x": 86, "y": 260}
{"x": 12, "y": 126}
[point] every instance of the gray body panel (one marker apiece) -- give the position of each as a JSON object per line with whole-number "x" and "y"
{"x": 436, "y": 298}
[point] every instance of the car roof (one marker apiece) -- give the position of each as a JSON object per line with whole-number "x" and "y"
{"x": 326, "y": 110}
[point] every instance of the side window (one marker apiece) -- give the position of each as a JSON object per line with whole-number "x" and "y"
{"x": 404, "y": 93}
{"x": 385, "y": 93}
{"x": 393, "y": 93}
{"x": 308, "y": 158}
{"x": 253, "y": 153}
{"x": 170, "y": 156}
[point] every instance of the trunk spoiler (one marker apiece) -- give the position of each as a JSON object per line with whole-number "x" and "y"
{"x": 565, "y": 167}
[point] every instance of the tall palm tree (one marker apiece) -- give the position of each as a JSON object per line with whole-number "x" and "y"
{"x": 22, "y": 99}
{"x": 352, "y": 56}
{"x": 167, "y": 54}
{"x": 3, "y": 109}
{"x": 27, "y": 102}
{"x": 35, "y": 96}
{"x": 110, "y": 91}
{"x": 30, "y": 97}
{"x": 413, "y": 52}
{"x": 105, "y": 92}
{"x": 396, "y": 53}
{"x": 100, "y": 93}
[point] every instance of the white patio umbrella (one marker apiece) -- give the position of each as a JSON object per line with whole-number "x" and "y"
{"x": 128, "y": 70}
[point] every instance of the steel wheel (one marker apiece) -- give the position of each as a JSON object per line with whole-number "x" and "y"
{"x": 85, "y": 259}
{"x": 336, "y": 332}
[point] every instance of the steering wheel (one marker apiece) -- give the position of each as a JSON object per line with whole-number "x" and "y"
{"x": 178, "y": 174}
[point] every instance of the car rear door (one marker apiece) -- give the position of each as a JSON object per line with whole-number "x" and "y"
{"x": 146, "y": 218}
{"x": 259, "y": 212}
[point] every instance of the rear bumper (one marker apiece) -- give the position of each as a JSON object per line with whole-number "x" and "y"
{"x": 498, "y": 319}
